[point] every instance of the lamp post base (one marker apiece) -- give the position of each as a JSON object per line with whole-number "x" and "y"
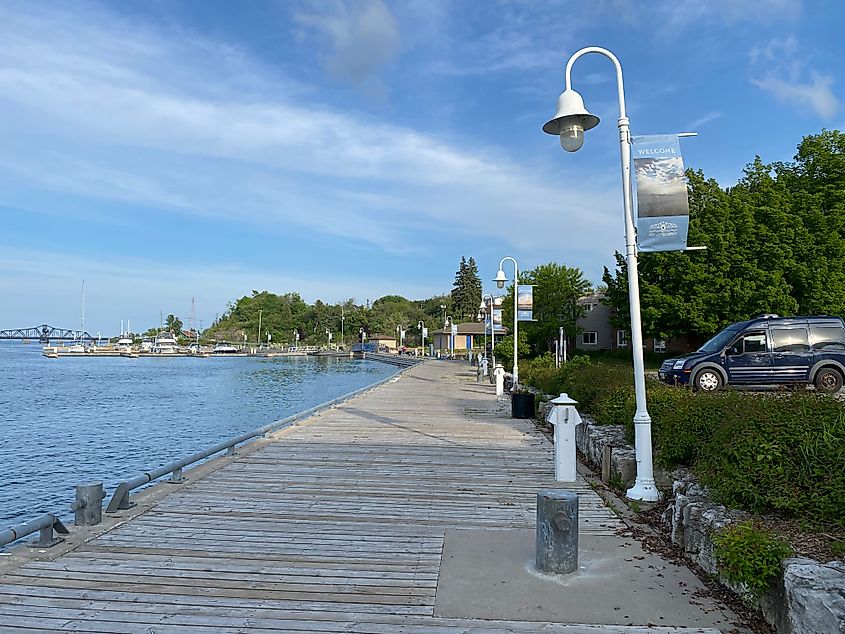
{"x": 644, "y": 491}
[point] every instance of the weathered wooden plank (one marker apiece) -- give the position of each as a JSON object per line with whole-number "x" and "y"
{"x": 336, "y": 525}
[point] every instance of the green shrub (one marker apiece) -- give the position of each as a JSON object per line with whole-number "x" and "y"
{"x": 784, "y": 453}
{"x": 761, "y": 452}
{"x": 748, "y": 556}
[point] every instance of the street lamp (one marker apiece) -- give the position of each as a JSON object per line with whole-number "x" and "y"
{"x": 482, "y": 309}
{"x": 500, "y": 282}
{"x": 482, "y": 313}
{"x": 443, "y": 308}
{"x": 570, "y": 122}
{"x": 421, "y": 326}
{"x": 451, "y": 336}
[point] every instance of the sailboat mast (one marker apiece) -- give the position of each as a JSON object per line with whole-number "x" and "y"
{"x": 83, "y": 310}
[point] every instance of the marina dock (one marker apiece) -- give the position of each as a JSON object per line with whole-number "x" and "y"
{"x": 410, "y": 508}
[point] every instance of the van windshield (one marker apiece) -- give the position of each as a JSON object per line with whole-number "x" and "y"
{"x": 721, "y": 340}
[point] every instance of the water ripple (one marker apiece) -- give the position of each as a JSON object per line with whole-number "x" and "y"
{"x": 72, "y": 420}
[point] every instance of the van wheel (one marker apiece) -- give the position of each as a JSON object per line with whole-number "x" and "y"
{"x": 708, "y": 381}
{"x": 828, "y": 381}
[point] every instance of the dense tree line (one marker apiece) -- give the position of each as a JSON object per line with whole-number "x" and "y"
{"x": 284, "y": 315}
{"x": 775, "y": 244}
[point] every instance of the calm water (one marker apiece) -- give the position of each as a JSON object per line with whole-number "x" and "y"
{"x": 69, "y": 420}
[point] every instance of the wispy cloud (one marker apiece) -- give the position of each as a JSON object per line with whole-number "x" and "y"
{"x": 814, "y": 94}
{"x": 129, "y": 283}
{"x": 679, "y": 15}
{"x": 701, "y": 121}
{"x": 127, "y": 114}
{"x": 784, "y": 71}
{"x": 362, "y": 37}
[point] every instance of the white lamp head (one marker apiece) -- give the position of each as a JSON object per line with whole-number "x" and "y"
{"x": 482, "y": 306}
{"x": 500, "y": 279}
{"x": 570, "y": 121}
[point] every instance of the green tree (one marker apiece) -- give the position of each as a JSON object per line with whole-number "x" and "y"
{"x": 557, "y": 288}
{"x": 466, "y": 291}
{"x": 173, "y": 324}
{"x": 459, "y": 290}
{"x": 473, "y": 287}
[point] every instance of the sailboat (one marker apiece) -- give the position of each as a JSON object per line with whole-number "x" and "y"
{"x": 125, "y": 341}
{"x": 78, "y": 344}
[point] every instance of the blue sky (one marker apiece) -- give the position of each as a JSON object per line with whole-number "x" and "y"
{"x": 173, "y": 149}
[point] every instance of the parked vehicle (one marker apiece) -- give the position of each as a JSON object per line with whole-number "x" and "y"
{"x": 768, "y": 350}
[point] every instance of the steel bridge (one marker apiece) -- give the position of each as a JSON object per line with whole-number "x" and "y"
{"x": 45, "y": 334}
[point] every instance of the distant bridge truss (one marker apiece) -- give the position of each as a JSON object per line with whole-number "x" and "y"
{"x": 45, "y": 334}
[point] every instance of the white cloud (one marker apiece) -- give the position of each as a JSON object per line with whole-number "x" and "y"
{"x": 679, "y": 15}
{"x": 364, "y": 37}
{"x": 121, "y": 288}
{"x": 815, "y": 94}
{"x": 704, "y": 120}
{"x": 127, "y": 114}
{"x": 784, "y": 71}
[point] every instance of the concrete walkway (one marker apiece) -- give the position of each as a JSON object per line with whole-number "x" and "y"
{"x": 408, "y": 509}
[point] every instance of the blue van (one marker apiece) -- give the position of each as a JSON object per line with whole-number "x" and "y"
{"x": 769, "y": 350}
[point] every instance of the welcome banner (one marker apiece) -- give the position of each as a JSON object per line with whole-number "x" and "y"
{"x": 497, "y": 321}
{"x": 662, "y": 203}
{"x": 525, "y": 302}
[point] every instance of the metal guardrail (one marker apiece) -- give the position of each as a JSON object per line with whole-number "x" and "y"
{"x": 120, "y": 500}
{"x": 45, "y": 524}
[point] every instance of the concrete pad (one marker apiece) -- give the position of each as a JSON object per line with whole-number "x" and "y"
{"x": 490, "y": 574}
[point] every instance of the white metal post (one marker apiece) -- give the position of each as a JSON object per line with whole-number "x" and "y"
{"x": 515, "y": 371}
{"x": 644, "y": 487}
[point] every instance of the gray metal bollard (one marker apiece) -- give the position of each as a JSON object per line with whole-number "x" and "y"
{"x": 557, "y": 531}
{"x": 88, "y": 507}
{"x": 478, "y": 373}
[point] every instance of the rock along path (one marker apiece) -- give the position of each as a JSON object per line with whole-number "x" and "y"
{"x": 408, "y": 509}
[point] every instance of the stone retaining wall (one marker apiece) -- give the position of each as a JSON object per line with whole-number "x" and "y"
{"x": 808, "y": 599}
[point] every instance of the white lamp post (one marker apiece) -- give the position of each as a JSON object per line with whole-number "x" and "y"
{"x": 500, "y": 282}
{"x": 483, "y": 310}
{"x": 421, "y": 326}
{"x": 569, "y": 123}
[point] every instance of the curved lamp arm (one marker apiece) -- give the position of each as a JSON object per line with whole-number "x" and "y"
{"x": 612, "y": 58}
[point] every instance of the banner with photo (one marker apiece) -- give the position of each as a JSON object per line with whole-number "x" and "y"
{"x": 497, "y": 320}
{"x": 662, "y": 202}
{"x": 525, "y": 302}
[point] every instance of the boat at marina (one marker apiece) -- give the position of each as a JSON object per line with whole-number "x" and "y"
{"x": 224, "y": 347}
{"x": 165, "y": 343}
{"x": 147, "y": 344}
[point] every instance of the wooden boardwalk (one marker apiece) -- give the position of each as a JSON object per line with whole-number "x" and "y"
{"x": 337, "y": 525}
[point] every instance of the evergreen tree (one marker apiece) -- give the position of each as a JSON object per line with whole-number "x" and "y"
{"x": 460, "y": 291}
{"x": 473, "y": 291}
{"x": 775, "y": 244}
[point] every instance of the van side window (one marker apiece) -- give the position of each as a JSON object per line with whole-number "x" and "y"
{"x": 753, "y": 342}
{"x": 827, "y": 337}
{"x": 790, "y": 340}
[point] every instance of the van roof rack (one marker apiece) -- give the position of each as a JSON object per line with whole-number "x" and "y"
{"x": 768, "y": 316}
